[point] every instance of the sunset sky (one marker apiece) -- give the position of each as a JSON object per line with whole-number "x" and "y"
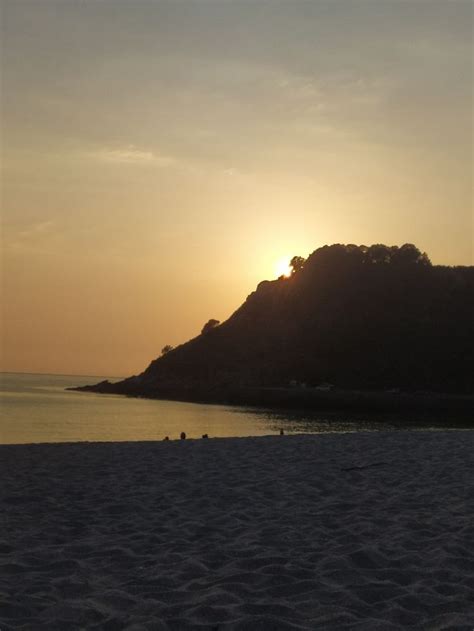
{"x": 160, "y": 158}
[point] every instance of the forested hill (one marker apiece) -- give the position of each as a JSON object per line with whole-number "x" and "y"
{"x": 357, "y": 317}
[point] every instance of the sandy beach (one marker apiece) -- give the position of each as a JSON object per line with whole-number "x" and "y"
{"x": 350, "y": 531}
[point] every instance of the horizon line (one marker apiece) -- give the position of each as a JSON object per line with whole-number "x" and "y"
{"x": 55, "y": 374}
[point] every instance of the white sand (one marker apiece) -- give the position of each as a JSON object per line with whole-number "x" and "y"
{"x": 255, "y": 533}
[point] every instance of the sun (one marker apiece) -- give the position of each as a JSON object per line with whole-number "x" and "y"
{"x": 283, "y": 267}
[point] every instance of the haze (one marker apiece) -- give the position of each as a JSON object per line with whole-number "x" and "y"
{"x": 161, "y": 158}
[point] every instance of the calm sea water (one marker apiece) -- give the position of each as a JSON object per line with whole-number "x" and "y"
{"x": 38, "y": 409}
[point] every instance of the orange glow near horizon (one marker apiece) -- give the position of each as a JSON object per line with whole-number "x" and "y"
{"x": 176, "y": 154}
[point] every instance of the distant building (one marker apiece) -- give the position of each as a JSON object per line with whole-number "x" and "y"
{"x": 324, "y": 387}
{"x": 297, "y": 384}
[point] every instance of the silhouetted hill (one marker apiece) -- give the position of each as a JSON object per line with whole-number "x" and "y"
{"x": 354, "y": 316}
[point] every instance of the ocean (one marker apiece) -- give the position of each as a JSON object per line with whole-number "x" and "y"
{"x": 38, "y": 409}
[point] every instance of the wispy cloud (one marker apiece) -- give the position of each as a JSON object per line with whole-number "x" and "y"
{"x": 133, "y": 155}
{"x": 36, "y": 237}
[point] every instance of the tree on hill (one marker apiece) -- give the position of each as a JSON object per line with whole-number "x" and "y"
{"x": 166, "y": 349}
{"x": 210, "y": 324}
{"x": 296, "y": 264}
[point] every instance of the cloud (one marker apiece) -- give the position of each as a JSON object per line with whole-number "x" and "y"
{"x": 36, "y": 229}
{"x": 36, "y": 237}
{"x": 133, "y": 155}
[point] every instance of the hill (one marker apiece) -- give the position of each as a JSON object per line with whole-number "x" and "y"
{"x": 357, "y": 317}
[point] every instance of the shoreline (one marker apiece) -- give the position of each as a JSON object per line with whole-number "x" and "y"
{"x": 459, "y": 406}
{"x": 328, "y": 531}
{"x": 287, "y": 434}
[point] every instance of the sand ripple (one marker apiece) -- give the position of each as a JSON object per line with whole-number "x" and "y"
{"x": 358, "y": 531}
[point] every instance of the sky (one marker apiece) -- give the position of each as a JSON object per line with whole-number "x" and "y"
{"x": 161, "y": 158}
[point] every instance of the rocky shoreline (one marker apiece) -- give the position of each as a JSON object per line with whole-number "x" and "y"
{"x": 438, "y": 405}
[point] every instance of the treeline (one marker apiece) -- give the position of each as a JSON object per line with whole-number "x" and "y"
{"x": 355, "y": 255}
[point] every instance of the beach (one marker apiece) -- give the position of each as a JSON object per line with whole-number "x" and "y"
{"x": 365, "y": 531}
